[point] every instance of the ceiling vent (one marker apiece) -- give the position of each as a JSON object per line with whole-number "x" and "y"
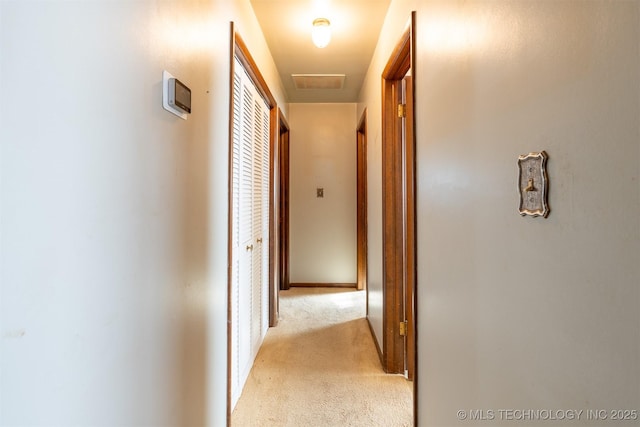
{"x": 318, "y": 81}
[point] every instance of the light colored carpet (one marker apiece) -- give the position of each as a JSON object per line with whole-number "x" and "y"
{"x": 319, "y": 367}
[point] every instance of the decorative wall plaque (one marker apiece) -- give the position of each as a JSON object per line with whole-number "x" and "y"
{"x": 533, "y": 184}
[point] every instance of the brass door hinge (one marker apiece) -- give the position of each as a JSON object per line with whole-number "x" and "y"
{"x": 403, "y": 328}
{"x": 402, "y": 110}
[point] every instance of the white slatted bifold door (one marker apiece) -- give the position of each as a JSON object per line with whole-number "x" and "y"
{"x": 264, "y": 144}
{"x": 250, "y": 227}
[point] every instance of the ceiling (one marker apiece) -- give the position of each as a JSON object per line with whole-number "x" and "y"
{"x": 355, "y": 27}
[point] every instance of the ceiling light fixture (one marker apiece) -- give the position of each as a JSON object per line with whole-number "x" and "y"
{"x": 321, "y": 33}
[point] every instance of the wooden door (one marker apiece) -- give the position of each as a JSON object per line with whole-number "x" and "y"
{"x": 361, "y": 221}
{"x": 284, "y": 206}
{"x": 398, "y": 165}
{"x": 408, "y": 173}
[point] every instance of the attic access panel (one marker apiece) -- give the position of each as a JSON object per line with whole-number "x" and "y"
{"x": 318, "y": 81}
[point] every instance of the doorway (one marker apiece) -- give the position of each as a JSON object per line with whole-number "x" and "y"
{"x": 361, "y": 201}
{"x": 283, "y": 203}
{"x": 398, "y": 215}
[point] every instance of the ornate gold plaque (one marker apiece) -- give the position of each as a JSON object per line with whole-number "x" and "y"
{"x": 533, "y": 184}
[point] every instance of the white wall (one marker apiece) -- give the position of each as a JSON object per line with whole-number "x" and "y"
{"x": 114, "y": 212}
{"x": 523, "y": 313}
{"x": 323, "y": 230}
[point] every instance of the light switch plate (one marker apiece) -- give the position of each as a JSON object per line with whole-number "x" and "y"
{"x": 533, "y": 184}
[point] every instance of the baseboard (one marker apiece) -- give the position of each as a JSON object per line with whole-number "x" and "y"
{"x": 375, "y": 341}
{"x": 323, "y": 285}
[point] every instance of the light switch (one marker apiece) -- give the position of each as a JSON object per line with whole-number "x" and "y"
{"x": 533, "y": 184}
{"x": 319, "y": 192}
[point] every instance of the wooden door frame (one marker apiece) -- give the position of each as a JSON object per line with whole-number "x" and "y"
{"x": 283, "y": 216}
{"x": 398, "y": 168}
{"x": 239, "y": 49}
{"x": 279, "y": 219}
{"x": 410, "y": 230}
{"x": 361, "y": 200}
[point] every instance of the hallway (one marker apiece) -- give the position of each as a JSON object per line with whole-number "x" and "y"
{"x": 319, "y": 367}
{"x": 115, "y": 213}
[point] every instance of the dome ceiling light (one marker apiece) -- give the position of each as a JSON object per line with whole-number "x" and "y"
{"x": 321, "y": 32}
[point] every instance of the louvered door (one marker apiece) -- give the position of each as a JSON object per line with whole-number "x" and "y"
{"x": 264, "y": 255}
{"x": 250, "y": 219}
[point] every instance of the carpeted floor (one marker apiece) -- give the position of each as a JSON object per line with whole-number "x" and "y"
{"x": 319, "y": 367}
